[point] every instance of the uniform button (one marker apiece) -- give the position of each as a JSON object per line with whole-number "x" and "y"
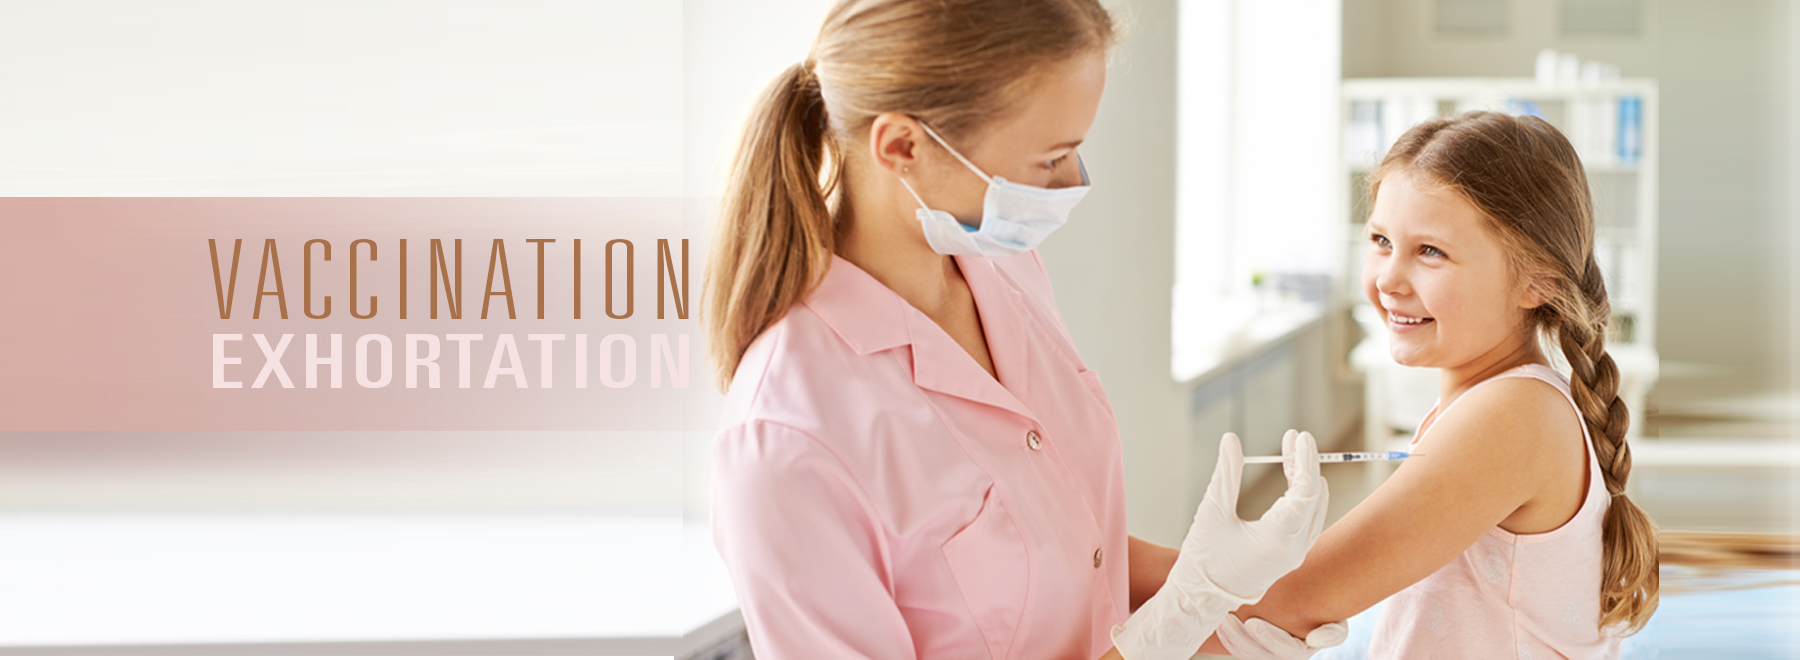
{"x": 1098, "y": 555}
{"x": 1033, "y": 441}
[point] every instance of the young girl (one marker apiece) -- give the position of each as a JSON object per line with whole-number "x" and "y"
{"x": 1508, "y": 534}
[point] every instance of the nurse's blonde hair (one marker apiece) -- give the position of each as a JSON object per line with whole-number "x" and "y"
{"x": 954, "y": 63}
{"x": 1532, "y": 192}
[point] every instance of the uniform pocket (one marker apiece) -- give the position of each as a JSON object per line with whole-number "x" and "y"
{"x": 988, "y": 560}
{"x": 1091, "y": 378}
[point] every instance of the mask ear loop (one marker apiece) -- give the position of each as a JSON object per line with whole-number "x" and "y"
{"x": 1079, "y": 162}
{"x": 927, "y": 207}
{"x": 915, "y": 194}
{"x": 946, "y": 145}
{"x": 984, "y": 177}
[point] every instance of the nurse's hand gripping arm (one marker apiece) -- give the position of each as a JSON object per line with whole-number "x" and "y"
{"x": 1226, "y": 562}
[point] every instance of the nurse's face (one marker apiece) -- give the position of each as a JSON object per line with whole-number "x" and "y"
{"x": 1035, "y": 144}
{"x": 1439, "y": 278}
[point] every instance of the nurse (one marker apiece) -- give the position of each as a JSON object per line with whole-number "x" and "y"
{"x": 914, "y": 462}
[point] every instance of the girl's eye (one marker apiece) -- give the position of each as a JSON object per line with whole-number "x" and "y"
{"x": 1379, "y": 240}
{"x": 1431, "y": 251}
{"x": 1052, "y": 164}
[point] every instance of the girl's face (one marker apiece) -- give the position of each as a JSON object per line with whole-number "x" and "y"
{"x": 1439, "y": 278}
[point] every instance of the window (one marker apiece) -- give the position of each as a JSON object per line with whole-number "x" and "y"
{"x": 1257, "y": 189}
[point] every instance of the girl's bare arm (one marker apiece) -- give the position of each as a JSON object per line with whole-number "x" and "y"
{"x": 1474, "y": 470}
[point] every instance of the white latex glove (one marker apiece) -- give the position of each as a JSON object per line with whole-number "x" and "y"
{"x": 1256, "y": 638}
{"x": 1226, "y": 562}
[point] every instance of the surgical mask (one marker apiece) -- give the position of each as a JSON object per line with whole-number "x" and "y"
{"x": 1014, "y": 217}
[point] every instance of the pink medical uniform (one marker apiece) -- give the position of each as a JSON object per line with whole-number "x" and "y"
{"x": 1522, "y": 596}
{"x": 877, "y": 494}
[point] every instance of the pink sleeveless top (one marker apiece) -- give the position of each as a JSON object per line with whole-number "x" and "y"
{"x": 1522, "y": 596}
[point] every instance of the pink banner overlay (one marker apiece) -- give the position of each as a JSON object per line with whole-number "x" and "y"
{"x": 371, "y": 314}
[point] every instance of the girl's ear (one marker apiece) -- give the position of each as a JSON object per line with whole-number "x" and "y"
{"x": 1534, "y": 294}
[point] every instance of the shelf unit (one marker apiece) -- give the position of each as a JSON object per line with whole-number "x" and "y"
{"x": 1376, "y": 111}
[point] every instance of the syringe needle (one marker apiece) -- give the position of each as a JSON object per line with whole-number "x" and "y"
{"x": 1341, "y": 457}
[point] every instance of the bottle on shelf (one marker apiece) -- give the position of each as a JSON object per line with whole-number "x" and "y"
{"x": 1631, "y": 130}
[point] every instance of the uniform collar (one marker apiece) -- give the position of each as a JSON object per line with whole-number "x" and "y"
{"x": 862, "y": 311}
{"x": 870, "y": 317}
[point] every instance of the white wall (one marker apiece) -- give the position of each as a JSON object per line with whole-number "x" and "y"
{"x": 1113, "y": 267}
{"x": 433, "y": 98}
{"x": 1793, "y": 200}
{"x": 1395, "y": 38}
{"x": 1723, "y": 240}
{"x": 1365, "y": 38}
{"x": 339, "y": 472}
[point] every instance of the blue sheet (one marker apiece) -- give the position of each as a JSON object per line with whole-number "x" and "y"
{"x": 1746, "y": 614}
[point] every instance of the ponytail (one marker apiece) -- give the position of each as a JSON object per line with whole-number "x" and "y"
{"x": 1629, "y": 582}
{"x": 959, "y": 63}
{"x": 775, "y": 238}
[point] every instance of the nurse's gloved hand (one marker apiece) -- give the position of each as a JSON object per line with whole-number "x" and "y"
{"x": 1256, "y": 639}
{"x": 1244, "y": 558}
{"x": 1226, "y": 562}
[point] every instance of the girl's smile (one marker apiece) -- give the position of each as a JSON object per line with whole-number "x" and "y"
{"x": 1405, "y": 323}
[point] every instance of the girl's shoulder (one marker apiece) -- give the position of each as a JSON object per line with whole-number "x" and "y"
{"x": 1531, "y": 400}
{"x": 1535, "y": 392}
{"x": 1520, "y": 422}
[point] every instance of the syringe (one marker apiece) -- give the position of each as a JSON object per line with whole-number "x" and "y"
{"x": 1340, "y": 457}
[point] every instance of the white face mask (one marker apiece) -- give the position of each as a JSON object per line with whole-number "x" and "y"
{"x": 1014, "y": 217}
